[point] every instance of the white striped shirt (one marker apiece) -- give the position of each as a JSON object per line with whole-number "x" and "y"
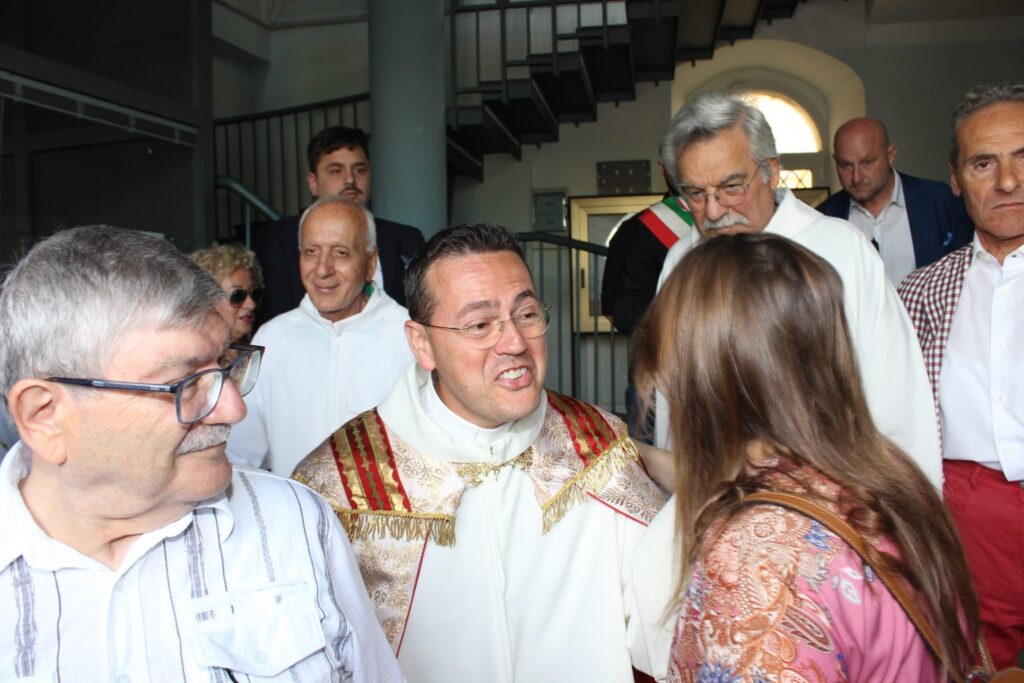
{"x": 257, "y": 584}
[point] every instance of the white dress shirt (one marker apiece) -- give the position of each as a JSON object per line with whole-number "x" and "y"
{"x": 891, "y": 365}
{"x": 981, "y": 384}
{"x": 890, "y": 231}
{"x": 258, "y": 583}
{"x": 316, "y": 376}
{"x": 507, "y": 602}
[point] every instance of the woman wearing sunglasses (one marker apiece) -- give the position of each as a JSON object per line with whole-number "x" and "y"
{"x": 239, "y": 274}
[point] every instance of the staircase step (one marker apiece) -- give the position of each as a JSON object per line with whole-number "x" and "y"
{"x": 525, "y": 112}
{"x": 565, "y": 83}
{"x": 478, "y": 130}
{"x": 610, "y": 66}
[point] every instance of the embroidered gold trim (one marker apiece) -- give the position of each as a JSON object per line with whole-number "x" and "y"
{"x": 473, "y": 473}
{"x": 411, "y": 526}
{"x": 408, "y": 526}
{"x": 591, "y": 480}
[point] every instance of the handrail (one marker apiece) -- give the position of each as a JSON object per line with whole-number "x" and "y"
{"x": 569, "y": 242}
{"x": 249, "y": 200}
{"x": 298, "y": 109}
{"x": 229, "y": 183}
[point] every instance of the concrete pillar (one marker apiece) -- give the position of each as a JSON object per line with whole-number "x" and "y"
{"x": 407, "y": 112}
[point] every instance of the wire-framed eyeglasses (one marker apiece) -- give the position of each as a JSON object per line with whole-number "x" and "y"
{"x": 532, "y": 320}
{"x": 728, "y": 195}
{"x": 197, "y": 395}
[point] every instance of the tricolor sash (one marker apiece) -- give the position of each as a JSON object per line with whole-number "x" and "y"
{"x": 668, "y": 220}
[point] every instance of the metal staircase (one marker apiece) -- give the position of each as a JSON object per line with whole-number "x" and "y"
{"x": 521, "y": 68}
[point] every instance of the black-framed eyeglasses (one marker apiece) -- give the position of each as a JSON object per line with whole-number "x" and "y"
{"x": 238, "y": 296}
{"x": 532, "y": 320}
{"x": 197, "y": 395}
{"x": 728, "y": 195}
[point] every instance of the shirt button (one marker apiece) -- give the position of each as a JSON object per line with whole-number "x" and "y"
{"x": 1001, "y": 398}
{"x": 124, "y": 678}
{"x": 261, "y": 656}
{"x": 1001, "y": 344}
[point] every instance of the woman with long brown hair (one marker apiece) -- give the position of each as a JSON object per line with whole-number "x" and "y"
{"x": 748, "y": 342}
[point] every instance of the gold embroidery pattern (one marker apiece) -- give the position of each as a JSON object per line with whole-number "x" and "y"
{"x": 473, "y": 473}
{"x": 389, "y": 572}
{"x": 366, "y": 467}
{"x": 613, "y": 474}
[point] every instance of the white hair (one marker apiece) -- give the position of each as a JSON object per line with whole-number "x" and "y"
{"x": 337, "y": 200}
{"x": 707, "y": 115}
{"x": 65, "y": 306}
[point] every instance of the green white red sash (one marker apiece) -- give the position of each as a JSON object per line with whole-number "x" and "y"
{"x": 668, "y": 220}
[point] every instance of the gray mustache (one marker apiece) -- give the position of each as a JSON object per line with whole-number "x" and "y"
{"x": 726, "y": 221}
{"x": 201, "y": 437}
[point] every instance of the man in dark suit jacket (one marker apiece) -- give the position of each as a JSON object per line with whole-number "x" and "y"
{"x": 339, "y": 164}
{"x": 912, "y": 221}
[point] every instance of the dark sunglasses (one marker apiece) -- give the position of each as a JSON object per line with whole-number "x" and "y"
{"x": 237, "y": 297}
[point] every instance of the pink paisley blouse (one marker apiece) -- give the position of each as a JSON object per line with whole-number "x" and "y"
{"x": 779, "y": 598}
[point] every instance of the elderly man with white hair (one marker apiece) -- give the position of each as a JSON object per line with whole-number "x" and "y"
{"x": 336, "y": 355}
{"x": 129, "y": 548}
{"x": 719, "y": 152}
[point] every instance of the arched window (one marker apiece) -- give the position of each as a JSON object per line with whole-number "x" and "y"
{"x": 795, "y": 134}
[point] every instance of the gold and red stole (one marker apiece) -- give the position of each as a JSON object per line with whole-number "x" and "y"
{"x": 392, "y": 499}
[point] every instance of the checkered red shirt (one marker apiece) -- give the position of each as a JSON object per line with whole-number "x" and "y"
{"x": 930, "y": 295}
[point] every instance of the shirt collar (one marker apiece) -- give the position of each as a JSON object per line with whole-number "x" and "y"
{"x": 896, "y": 197}
{"x": 979, "y": 254}
{"x": 404, "y": 413}
{"x": 20, "y": 534}
{"x": 461, "y": 430}
{"x": 336, "y": 328}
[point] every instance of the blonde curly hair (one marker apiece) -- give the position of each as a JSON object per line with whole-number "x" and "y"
{"x": 221, "y": 260}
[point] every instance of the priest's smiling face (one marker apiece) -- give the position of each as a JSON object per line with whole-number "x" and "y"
{"x": 485, "y": 386}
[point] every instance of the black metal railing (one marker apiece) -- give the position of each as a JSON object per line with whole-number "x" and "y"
{"x": 266, "y": 152}
{"x": 250, "y": 200}
{"x": 493, "y": 42}
{"x": 583, "y": 360}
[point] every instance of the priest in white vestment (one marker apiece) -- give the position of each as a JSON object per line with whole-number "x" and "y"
{"x": 493, "y": 521}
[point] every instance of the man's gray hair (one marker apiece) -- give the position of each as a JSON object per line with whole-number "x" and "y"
{"x": 337, "y": 200}
{"x": 66, "y": 305}
{"x": 977, "y": 98}
{"x": 707, "y": 115}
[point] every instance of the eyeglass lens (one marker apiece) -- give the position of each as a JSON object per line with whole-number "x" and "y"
{"x": 531, "y": 321}
{"x": 198, "y": 396}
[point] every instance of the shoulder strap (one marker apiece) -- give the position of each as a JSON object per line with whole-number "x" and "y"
{"x": 853, "y": 539}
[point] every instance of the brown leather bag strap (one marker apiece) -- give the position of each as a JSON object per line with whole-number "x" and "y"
{"x": 853, "y": 539}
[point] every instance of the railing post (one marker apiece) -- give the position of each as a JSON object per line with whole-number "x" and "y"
{"x": 248, "y": 226}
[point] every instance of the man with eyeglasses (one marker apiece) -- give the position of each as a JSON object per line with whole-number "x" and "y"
{"x": 336, "y": 355}
{"x": 129, "y": 549}
{"x": 720, "y": 153}
{"x": 493, "y": 520}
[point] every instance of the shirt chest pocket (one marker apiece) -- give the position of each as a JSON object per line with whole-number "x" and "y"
{"x": 260, "y": 631}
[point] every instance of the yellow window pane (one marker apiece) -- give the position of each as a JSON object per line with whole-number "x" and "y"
{"x": 796, "y": 179}
{"x": 794, "y": 130}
